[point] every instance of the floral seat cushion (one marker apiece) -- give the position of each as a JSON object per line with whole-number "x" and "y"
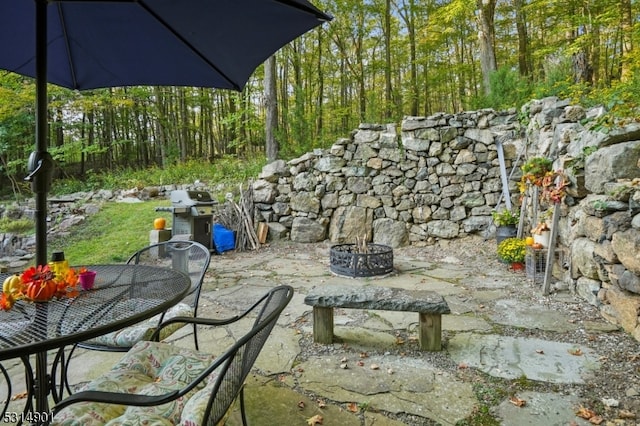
{"x": 129, "y": 336}
{"x": 149, "y": 368}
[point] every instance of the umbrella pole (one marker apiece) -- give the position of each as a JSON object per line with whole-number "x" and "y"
{"x": 40, "y": 164}
{"x": 40, "y": 168}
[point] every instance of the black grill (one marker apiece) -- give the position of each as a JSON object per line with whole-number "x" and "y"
{"x": 192, "y": 215}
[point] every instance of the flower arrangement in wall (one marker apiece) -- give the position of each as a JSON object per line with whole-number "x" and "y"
{"x": 538, "y": 171}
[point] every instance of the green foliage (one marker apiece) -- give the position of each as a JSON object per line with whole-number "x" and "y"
{"x": 227, "y": 170}
{"x": 16, "y": 226}
{"x": 505, "y": 217}
{"x": 508, "y": 90}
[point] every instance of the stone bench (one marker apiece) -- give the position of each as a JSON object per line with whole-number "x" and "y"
{"x": 429, "y": 305}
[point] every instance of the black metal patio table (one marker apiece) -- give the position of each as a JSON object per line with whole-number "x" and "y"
{"x": 123, "y": 295}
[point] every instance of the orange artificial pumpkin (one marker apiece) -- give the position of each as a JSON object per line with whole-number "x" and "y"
{"x": 41, "y": 291}
{"x": 159, "y": 223}
{"x": 537, "y": 246}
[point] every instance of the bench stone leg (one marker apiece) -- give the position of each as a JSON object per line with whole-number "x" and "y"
{"x": 322, "y": 325}
{"x": 430, "y": 336}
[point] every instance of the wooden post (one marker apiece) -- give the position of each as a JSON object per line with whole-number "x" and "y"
{"x": 322, "y": 325}
{"x": 430, "y": 337}
{"x": 551, "y": 250}
{"x": 523, "y": 210}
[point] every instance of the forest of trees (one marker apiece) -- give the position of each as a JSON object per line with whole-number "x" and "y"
{"x": 377, "y": 61}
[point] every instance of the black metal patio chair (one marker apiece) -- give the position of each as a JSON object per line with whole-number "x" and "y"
{"x": 189, "y": 257}
{"x": 165, "y": 384}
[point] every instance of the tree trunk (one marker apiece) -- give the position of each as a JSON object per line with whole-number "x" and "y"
{"x": 627, "y": 46}
{"x": 387, "y": 59}
{"x": 271, "y": 106}
{"x": 486, "y": 37}
{"x": 524, "y": 62}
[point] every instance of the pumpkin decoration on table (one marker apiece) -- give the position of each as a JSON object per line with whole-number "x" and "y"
{"x": 38, "y": 284}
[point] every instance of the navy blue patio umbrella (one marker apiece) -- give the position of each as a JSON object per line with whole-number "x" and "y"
{"x": 88, "y": 44}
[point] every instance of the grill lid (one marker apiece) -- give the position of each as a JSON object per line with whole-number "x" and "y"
{"x": 182, "y": 198}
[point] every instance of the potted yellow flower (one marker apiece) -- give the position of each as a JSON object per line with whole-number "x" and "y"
{"x": 513, "y": 251}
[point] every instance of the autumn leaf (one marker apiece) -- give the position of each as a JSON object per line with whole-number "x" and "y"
{"x": 360, "y": 363}
{"x": 596, "y": 420}
{"x": 626, "y": 414}
{"x": 321, "y": 403}
{"x": 517, "y": 401}
{"x": 315, "y": 420}
{"x": 540, "y": 351}
{"x": 20, "y": 395}
{"x": 462, "y": 366}
{"x": 576, "y": 351}
{"x": 585, "y": 413}
{"x": 301, "y": 405}
{"x": 374, "y": 367}
{"x": 364, "y": 355}
{"x": 353, "y": 407}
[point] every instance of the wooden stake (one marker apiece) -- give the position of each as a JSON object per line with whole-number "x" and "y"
{"x": 551, "y": 250}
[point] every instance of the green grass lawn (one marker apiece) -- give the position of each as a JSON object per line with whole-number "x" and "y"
{"x": 111, "y": 235}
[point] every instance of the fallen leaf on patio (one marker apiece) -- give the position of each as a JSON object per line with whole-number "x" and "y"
{"x": 344, "y": 366}
{"x": 540, "y": 351}
{"x": 353, "y": 407}
{"x": 20, "y": 395}
{"x": 321, "y": 403}
{"x": 364, "y": 355}
{"x": 413, "y": 338}
{"x": 462, "y": 365}
{"x": 390, "y": 371}
{"x": 374, "y": 367}
{"x": 301, "y": 405}
{"x": 517, "y": 401}
{"x": 399, "y": 341}
{"x": 360, "y": 363}
{"x": 344, "y": 359}
{"x": 282, "y": 378}
{"x": 576, "y": 352}
{"x": 315, "y": 420}
{"x": 300, "y": 370}
{"x": 596, "y": 420}
{"x": 625, "y": 414}
{"x": 585, "y": 413}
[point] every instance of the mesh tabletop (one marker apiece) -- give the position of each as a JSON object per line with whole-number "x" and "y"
{"x": 122, "y": 296}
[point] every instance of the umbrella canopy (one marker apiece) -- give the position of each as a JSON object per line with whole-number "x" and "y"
{"x": 103, "y": 43}
{"x": 88, "y": 44}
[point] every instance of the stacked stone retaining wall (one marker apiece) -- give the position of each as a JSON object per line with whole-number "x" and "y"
{"x": 439, "y": 177}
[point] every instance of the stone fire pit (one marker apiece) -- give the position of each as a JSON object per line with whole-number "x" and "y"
{"x": 352, "y": 260}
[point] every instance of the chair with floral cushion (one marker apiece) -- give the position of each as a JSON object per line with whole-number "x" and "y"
{"x": 189, "y": 257}
{"x": 165, "y": 384}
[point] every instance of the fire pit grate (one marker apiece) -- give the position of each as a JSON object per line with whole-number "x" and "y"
{"x": 349, "y": 260}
